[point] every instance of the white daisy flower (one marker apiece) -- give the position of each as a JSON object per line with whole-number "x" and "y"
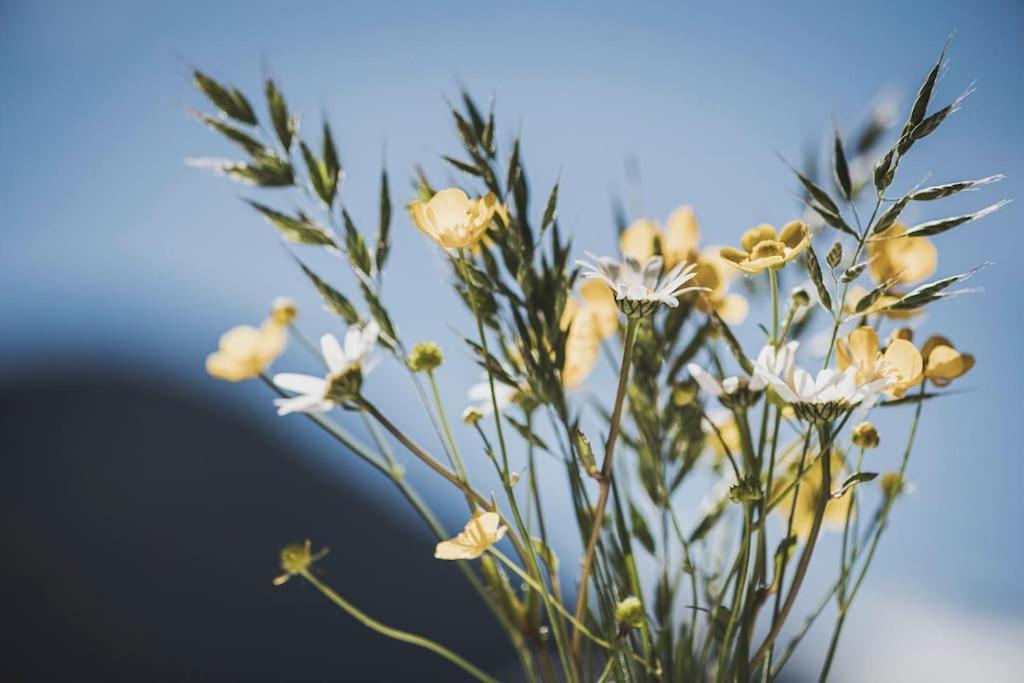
{"x": 820, "y": 398}
{"x": 639, "y": 289}
{"x": 346, "y": 369}
{"x": 738, "y": 390}
{"x": 480, "y": 394}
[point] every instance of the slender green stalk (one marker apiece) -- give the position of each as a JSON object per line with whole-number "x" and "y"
{"x": 882, "y": 523}
{"x": 825, "y": 440}
{"x": 395, "y": 633}
{"x": 773, "y": 279}
{"x": 556, "y": 624}
{"x": 737, "y": 596}
{"x": 605, "y": 479}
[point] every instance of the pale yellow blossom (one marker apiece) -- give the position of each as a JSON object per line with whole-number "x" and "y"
{"x": 452, "y": 219}
{"x": 483, "y": 530}
{"x": 901, "y": 362}
{"x": 764, "y": 248}
{"x": 244, "y": 352}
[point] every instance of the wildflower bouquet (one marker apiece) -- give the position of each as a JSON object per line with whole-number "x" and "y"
{"x": 783, "y": 432}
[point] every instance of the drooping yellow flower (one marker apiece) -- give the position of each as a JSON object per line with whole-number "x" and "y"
{"x": 588, "y": 321}
{"x": 245, "y": 351}
{"x": 808, "y": 495}
{"x": 943, "y": 363}
{"x": 763, "y": 247}
{"x": 901, "y": 363}
{"x": 677, "y": 243}
{"x": 483, "y": 530}
{"x": 452, "y": 219}
{"x": 906, "y": 260}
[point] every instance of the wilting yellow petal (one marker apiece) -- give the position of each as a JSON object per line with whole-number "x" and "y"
{"x": 638, "y": 239}
{"x": 682, "y": 235}
{"x": 483, "y": 530}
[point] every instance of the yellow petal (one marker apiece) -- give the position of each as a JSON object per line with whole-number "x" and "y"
{"x": 733, "y": 308}
{"x": 682, "y": 235}
{"x": 758, "y": 233}
{"x": 794, "y": 234}
{"x": 732, "y": 254}
{"x": 945, "y": 363}
{"x": 227, "y": 367}
{"x": 638, "y": 239}
{"x": 243, "y": 340}
{"x": 599, "y": 299}
{"x": 864, "y": 345}
{"x": 904, "y": 360}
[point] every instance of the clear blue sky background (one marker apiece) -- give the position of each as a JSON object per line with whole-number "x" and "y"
{"x": 112, "y": 248}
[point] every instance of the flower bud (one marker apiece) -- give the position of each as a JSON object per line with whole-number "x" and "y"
{"x": 629, "y": 612}
{"x": 892, "y": 484}
{"x": 471, "y": 416}
{"x": 297, "y": 558}
{"x": 683, "y": 394}
{"x": 865, "y": 435}
{"x": 585, "y": 452}
{"x": 283, "y": 310}
{"x": 425, "y": 357}
{"x": 904, "y": 333}
{"x": 800, "y": 297}
{"x": 748, "y": 490}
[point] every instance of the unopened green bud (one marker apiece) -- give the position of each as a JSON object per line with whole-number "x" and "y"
{"x": 683, "y": 394}
{"x": 283, "y": 310}
{"x": 748, "y": 490}
{"x": 425, "y": 356}
{"x": 585, "y": 452}
{"x": 297, "y": 558}
{"x": 892, "y": 484}
{"x": 630, "y": 612}
{"x": 800, "y": 297}
{"x": 865, "y": 436}
{"x": 472, "y": 415}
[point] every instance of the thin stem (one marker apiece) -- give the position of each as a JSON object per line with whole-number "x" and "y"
{"x": 556, "y": 624}
{"x": 825, "y": 440}
{"x": 605, "y": 479}
{"x": 773, "y": 279}
{"x": 395, "y": 633}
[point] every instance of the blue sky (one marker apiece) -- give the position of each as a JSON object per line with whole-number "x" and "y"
{"x": 113, "y": 249}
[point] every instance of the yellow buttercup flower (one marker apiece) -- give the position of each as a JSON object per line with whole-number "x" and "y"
{"x": 763, "y": 247}
{"x": 677, "y": 243}
{"x": 589, "y": 321}
{"x": 807, "y": 498}
{"x": 943, "y": 363}
{"x": 452, "y": 219}
{"x": 715, "y": 273}
{"x": 245, "y": 351}
{"x": 906, "y": 260}
{"x": 901, "y": 363}
{"x": 483, "y": 530}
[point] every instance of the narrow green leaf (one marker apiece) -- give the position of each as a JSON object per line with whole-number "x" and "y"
{"x": 931, "y": 291}
{"x": 301, "y": 229}
{"x": 336, "y": 301}
{"x": 840, "y": 167}
{"x": 355, "y": 245}
{"x": 551, "y": 211}
{"x": 229, "y": 100}
{"x": 942, "y": 225}
{"x": 943, "y": 191}
{"x": 384, "y": 226}
{"x": 851, "y": 481}
{"x": 239, "y": 137}
{"x": 814, "y": 270}
{"x": 284, "y": 124}
{"x": 890, "y": 215}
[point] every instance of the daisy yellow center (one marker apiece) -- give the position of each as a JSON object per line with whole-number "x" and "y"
{"x": 767, "y": 248}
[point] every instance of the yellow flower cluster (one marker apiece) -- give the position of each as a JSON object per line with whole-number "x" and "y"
{"x": 679, "y": 242}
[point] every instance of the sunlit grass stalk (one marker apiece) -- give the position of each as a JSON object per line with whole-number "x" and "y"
{"x": 605, "y": 480}
{"x": 396, "y": 634}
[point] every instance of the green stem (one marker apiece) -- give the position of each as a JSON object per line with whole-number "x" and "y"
{"x": 395, "y": 633}
{"x": 773, "y": 279}
{"x": 556, "y": 623}
{"x": 605, "y": 479}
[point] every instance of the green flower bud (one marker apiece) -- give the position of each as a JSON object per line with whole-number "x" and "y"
{"x": 283, "y": 310}
{"x": 297, "y": 558}
{"x": 585, "y": 452}
{"x": 865, "y": 436}
{"x": 748, "y": 490}
{"x": 800, "y": 297}
{"x": 892, "y": 484}
{"x": 425, "y": 356}
{"x": 630, "y": 612}
{"x": 471, "y": 416}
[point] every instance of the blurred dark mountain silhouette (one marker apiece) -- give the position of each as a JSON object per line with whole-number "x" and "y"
{"x": 142, "y": 525}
